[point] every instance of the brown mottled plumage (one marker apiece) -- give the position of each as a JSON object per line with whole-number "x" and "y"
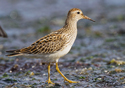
{"x": 56, "y": 44}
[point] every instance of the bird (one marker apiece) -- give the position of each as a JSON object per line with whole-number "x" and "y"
{"x": 2, "y": 33}
{"x": 54, "y": 45}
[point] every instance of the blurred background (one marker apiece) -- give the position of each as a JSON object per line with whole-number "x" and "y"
{"x": 97, "y": 43}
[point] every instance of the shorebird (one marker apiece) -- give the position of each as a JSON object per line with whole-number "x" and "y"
{"x": 56, "y": 44}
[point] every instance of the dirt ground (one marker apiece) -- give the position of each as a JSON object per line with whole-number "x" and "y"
{"x": 97, "y": 58}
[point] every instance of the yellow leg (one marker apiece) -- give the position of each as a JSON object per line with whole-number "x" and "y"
{"x": 49, "y": 80}
{"x": 70, "y": 81}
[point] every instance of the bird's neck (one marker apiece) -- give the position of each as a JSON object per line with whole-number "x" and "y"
{"x": 71, "y": 30}
{"x": 71, "y": 24}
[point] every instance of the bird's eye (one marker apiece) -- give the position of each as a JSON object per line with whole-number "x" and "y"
{"x": 78, "y": 12}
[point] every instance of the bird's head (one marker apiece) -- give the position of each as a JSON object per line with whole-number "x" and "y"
{"x": 77, "y": 14}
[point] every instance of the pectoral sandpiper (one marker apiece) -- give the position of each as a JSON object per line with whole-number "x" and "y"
{"x": 56, "y": 44}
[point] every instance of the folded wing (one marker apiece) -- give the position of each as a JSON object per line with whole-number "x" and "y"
{"x": 48, "y": 44}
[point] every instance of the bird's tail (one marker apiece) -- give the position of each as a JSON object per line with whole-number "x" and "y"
{"x": 13, "y": 53}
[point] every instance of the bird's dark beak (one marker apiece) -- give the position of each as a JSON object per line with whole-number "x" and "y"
{"x": 85, "y": 17}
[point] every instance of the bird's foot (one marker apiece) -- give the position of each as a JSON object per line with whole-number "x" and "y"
{"x": 70, "y": 81}
{"x": 49, "y": 81}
